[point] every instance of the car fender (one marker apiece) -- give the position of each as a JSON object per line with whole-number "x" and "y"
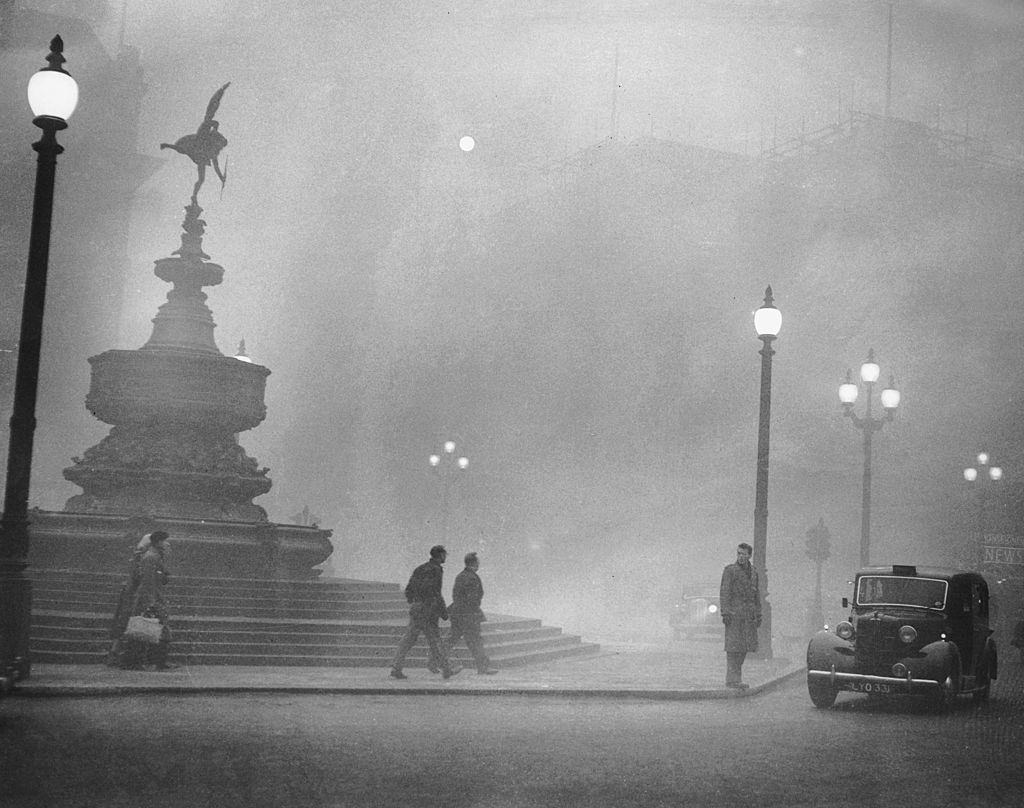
{"x": 934, "y": 660}
{"x": 826, "y": 650}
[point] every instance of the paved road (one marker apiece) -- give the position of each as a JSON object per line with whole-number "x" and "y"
{"x": 264, "y": 749}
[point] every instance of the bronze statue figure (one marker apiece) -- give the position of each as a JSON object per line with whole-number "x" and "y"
{"x": 204, "y": 146}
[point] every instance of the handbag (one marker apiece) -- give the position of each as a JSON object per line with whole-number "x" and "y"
{"x": 142, "y": 629}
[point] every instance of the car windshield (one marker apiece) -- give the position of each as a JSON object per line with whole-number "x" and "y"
{"x": 892, "y": 590}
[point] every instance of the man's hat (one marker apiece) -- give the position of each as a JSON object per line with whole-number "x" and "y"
{"x": 436, "y": 550}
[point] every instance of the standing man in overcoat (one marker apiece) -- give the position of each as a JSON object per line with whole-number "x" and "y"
{"x": 466, "y": 614}
{"x": 426, "y": 607}
{"x": 740, "y": 603}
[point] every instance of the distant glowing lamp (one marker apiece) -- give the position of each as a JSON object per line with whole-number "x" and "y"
{"x": 890, "y": 396}
{"x": 767, "y": 319}
{"x": 848, "y": 390}
{"x": 241, "y": 355}
{"x": 870, "y": 370}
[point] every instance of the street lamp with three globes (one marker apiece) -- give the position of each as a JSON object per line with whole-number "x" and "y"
{"x": 448, "y": 466}
{"x": 890, "y": 398}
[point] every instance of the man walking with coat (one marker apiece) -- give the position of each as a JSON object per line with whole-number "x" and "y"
{"x": 466, "y": 614}
{"x": 426, "y": 607}
{"x": 740, "y": 602}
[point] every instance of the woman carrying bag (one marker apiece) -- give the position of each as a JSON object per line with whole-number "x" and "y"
{"x": 139, "y": 646}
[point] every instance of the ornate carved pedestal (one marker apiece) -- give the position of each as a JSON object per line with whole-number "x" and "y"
{"x": 172, "y": 459}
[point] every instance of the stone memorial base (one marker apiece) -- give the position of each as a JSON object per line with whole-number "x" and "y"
{"x": 199, "y": 547}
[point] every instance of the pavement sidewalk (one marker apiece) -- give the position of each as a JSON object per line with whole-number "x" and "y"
{"x": 670, "y": 670}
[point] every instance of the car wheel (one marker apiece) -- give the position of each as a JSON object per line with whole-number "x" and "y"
{"x": 822, "y": 694}
{"x": 984, "y": 681}
{"x": 984, "y": 686}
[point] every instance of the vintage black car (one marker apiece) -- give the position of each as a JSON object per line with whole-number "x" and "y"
{"x": 696, "y": 617}
{"x": 911, "y": 631}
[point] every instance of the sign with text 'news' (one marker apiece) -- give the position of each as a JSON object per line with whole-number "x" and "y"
{"x": 1003, "y": 555}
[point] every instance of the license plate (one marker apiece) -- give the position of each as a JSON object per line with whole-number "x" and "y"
{"x": 870, "y": 687}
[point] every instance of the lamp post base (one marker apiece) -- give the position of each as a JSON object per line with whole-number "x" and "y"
{"x": 764, "y": 634}
{"x": 15, "y": 617}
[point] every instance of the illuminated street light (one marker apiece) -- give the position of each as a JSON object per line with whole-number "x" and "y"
{"x": 983, "y": 475}
{"x": 890, "y": 398}
{"x": 448, "y": 466}
{"x": 241, "y": 355}
{"x": 767, "y": 323}
{"x": 52, "y": 95}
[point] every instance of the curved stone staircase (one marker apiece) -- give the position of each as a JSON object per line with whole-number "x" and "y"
{"x": 228, "y": 621}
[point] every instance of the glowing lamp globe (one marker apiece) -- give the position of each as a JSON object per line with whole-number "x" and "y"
{"x": 870, "y": 371}
{"x": 767, "y": 319}
{"x": 52, "y": 92}
{"x": 890, "y": 398}
{"x": 848, "y": 390}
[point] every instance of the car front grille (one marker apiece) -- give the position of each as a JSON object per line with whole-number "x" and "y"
{"x": 878, "y": 644}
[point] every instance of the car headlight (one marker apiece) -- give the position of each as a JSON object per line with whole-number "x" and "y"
{"x": 845, "y": 630}
{"x": 907, "y": 634}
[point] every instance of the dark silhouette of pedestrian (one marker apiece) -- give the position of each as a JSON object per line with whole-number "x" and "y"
{"x": 426, "y": 607}
{"x": 740, "y": 603}
{"x": 466, "y": 614}
{"x": 124, "y": 604}
{"x": 146, "y": 599}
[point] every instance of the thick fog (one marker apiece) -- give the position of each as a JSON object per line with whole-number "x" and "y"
{"x": 571, "y": 301}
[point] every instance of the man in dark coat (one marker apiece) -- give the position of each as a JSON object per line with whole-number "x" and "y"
{"x": 740, "y": 602}
{"x": 426, "y": 607}
{"x": 466, "y": 614}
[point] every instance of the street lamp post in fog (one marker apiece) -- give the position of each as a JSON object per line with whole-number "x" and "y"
{"x": 767, "y": 322}
{"x": 983, "y": 475}
{"x": 890, "y": 397}
{"x": 819, "y": 548}
{"x": 888, "y": 67}
{"x": 448, "y": 467}
{"x": 52, "y": 95}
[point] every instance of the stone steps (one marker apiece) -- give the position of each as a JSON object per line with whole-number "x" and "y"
{"x": 223, "y": 621}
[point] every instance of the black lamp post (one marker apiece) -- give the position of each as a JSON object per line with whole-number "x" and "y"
{"x": 767, "y": 322}
{"x": 447, "y": 465}
{"x": 984, "y": 474}
{"x": 52, "y": 95}
{"x": 890, "y": 398}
